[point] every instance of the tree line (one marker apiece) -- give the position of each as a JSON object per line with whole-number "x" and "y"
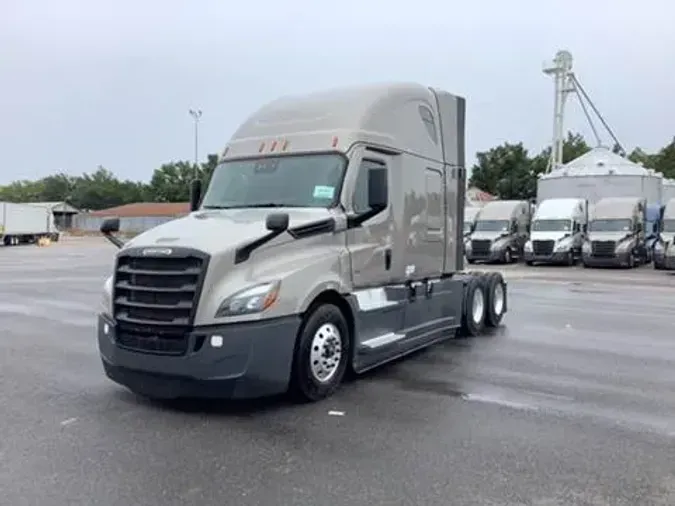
{"x": 507, "y": 171}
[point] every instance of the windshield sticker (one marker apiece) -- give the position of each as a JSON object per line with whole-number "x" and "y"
{"x": 324, "y": 192}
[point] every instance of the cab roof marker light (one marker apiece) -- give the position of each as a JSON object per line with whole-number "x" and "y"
{"x": 274, "y": 146}
{"x": 261, "y": 148}
{"x": 335, "y": 142}
{"x": 284, "y": 146}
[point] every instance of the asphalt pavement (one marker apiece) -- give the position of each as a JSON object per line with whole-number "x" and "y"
{"x": 571, "y": 402}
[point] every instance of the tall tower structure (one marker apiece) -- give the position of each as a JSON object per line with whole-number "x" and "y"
{"x": 561, "y": 70}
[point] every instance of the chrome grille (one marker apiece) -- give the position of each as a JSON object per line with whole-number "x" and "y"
{"x": 155, "y": 298}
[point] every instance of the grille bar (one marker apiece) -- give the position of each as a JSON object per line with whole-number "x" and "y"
{"x": 543, "y": 247}
{"x": 480, "y": 247}
{"x": 155, "y": 299}
{"x": 603, "y": 248}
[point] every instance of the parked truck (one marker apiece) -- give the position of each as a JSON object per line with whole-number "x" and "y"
{"x": 558, "y": 232}
{"x": 25, "y": 224}
{"x": 500, "y": 232}
{"x": 297, "y": 265}
{"x": 616, "y": 234}
{"x": 653, "y": 219}
{"x": 664, "y": 249}
{"x": 470, "y": 215}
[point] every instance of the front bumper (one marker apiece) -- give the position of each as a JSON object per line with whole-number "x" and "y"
{"x": 491, "y": 257}
{"x": 557, "y": 257}
{"x": 618, "y": 260}
{"x": 667, "y": 262}
{"x": 255, "y": 360}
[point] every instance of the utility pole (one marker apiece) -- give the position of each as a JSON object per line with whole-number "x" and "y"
{"x": 196, "y": 116}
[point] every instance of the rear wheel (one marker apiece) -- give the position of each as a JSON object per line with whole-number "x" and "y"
{"x": 496, "y": 299}
{"x": 322, "y": 354}
{"x": 473, "y": 317}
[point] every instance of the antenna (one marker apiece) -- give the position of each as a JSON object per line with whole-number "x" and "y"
{"x": 566, "y": 83}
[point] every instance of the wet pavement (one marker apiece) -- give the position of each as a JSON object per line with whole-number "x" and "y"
{"x": 572, "y": 402}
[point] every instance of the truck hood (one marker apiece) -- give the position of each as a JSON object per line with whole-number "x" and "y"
{"x": 492, "y": 236}
{"x": 214, "y": 231}
{"x": 548, "y": 236}
{"x": 607, "y": 236}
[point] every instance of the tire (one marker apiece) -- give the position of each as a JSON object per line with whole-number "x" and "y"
{"x": 495, "y": 289}
{"x": 631, "y": 261}
{"x": 508, "y": 256}
{"x": 324, "y": 327}
{"x": 530, "y": 263}
{"x": 471, "y": 261}
{"x": 570, "y": 258}
{"x": 473, "y": 322}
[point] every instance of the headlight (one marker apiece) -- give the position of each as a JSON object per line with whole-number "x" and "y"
{"x": 564, "y": 245}
{"x": 658, "y": 246}
{"x": 586, "y": 247}
{"x": 467, "y": 244}
{"x": 528, "y": 246}
{"x": 496, "y": 245}
{"x": 106, "y": 297}
{"x": 250, "y": 301}
{"x": 625, "y": 246}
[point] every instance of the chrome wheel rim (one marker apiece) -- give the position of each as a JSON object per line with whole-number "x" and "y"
{"x": 477, "y": 306}
{"x": 498, "y": 300}
{"x": 326, "y": 352}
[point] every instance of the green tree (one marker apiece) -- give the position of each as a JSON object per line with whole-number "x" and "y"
{"x": 505, "y": 171}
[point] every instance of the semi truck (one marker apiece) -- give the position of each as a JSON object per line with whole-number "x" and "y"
{"x": 558, "y": 232}
{"x": 25, "y": 224}
{"x": 470, "y": 215}
{"x": 616, "y": 233}
{"x": 653, "y": 219}
{"x": 500, "y": 232}
{"x": 664, "y": 249}
{"x": 296, "y": 266}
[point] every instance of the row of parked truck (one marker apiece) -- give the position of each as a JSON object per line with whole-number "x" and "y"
{"x": 618, "y": 231}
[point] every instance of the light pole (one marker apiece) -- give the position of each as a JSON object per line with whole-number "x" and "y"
{"x": 196, "y": 116}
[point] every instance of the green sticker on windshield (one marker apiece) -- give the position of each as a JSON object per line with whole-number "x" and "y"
{"x": 324, "y": 192}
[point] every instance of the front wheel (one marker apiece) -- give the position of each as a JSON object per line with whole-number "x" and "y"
{"x": 508, "y": 256}
{"x": 321, "y": 355}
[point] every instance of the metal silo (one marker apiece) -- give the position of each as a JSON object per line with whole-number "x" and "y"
{"x": 599, "y": 174}
{"x": 668, "y": 190}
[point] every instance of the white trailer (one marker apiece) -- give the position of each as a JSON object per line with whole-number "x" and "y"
{"x": 25, "y": 223}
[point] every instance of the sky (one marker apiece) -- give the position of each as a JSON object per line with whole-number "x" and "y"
{"x": 110, "y": 82}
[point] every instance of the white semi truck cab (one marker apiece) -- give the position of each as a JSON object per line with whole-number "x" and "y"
{"x": 664, "y": 247}
{"x": 558, "y": 232}
{"x": 329, "y": 239}
{"x": 616, "y": 233}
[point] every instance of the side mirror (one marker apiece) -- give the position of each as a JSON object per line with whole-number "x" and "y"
{"x": 110, "y": 226}
{"x": 277, "y": 222}
{"x": 195, "y": 194}
{"x": 378, "y": 194}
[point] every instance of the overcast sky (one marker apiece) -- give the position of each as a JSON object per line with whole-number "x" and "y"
{"x": 109, "y": 82}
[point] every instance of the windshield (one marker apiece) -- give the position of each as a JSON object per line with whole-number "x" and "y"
{"x": 552, "y": 226}
{"x": 282, "y": 181}
{"x": 492, "y": 226}
{"x": 610, "y": 226}
{"x": 669, "y": 226}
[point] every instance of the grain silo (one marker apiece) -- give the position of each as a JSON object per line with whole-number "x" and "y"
{"x": 599, "y": 174}
{"x": 668, "y": 190}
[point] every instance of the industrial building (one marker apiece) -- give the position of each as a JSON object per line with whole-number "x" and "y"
{"x": 599, "y": 174}
{"x": 62, "y": 211}
{"x": 134, "y": 218}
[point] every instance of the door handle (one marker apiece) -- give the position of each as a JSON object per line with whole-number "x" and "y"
{"x": 387, "y": 259}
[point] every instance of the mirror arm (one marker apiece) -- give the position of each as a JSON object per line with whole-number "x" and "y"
{"x": 114, "y": 240}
